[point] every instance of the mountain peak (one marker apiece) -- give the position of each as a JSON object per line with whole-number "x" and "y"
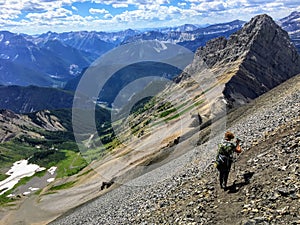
{"x": 295, "y": 13}
{"x": 260, "y": 23}
{"x": 262, "y": 17}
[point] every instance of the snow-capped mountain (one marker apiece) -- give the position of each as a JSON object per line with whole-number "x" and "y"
{"x": 182, "y": 28}
{"x": 291, "y": 24}
{"x": 93, "y": 43}
{"x": 187, "y": 35}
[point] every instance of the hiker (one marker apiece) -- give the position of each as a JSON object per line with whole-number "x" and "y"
{"x": 224, "y": 157}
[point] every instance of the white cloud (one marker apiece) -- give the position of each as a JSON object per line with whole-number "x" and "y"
{"x": 126, "y": 3}
{"x": 274, "y": 4}
{"x": 210, "y": 6}
{"x": 74, "y": 8}
{"x": 120, "y": 5}
{"x": 54, "y": 14}
{"x": 108, "y": 16}
{"x": 98, "y": 11}
{"x": 150, "y": 12}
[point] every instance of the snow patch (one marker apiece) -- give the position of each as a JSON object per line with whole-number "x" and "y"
{"x": 19, "y": 170}
{"x": 40, "y": 169}
{"x": 33, "y": 59}
{"x": 33, "y": 189}
{"x": 74, "y": 69}
{"x": 160, "y": 47}
{"x": 296, "y": 20}
{"x": 294, "y": 32}
{"x": 52, "y": 170}
{"x": 50, "y": 180}
{"x": 17, "y": 55}
{"x": 54, "y": 76}
{"x": 11, "y": 196}
{"x": 3, "y": 56}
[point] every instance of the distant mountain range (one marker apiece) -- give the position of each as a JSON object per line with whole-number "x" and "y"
{"x": 59, "y": 59}
{"x": 51, "y": 59}
{"x": 189, "y": 36}
{"x": 23, "y": 62}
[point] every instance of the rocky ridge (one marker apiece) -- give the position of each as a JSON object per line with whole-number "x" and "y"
{"x": 264, "y": 185}
{"x": 14, "y": 125}
{"x": 252, "y": 61}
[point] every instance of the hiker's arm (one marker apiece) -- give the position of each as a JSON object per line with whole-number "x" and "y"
{"x": 238, "y": 148}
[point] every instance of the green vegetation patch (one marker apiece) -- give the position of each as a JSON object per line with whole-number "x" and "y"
{"x": 165, "y": 106}
{"x": 11, "y": 152}
{"x": 5, "y": 200}
{"x": 94, "y": 154}
{"x": 166, "y": 113}
{"x": 142, "y": 106}
{"x": 72, "y": 164}
{"x": 57, "y": 139}
{"x": 63, "y": 186}
{"x": 47, "y": 158}
{"x": 3, "y": 176}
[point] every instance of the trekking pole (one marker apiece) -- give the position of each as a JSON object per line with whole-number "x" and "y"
{"x": 235, "y": 160}
{"x": 238, "y": 140}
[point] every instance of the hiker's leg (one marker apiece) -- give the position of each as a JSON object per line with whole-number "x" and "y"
{"x": 222, "y": 177}
{"x": 227, "y": 171}
{"x": 226, "y": 174}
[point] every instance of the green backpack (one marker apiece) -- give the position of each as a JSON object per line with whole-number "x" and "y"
{"x": 226, "y": 149}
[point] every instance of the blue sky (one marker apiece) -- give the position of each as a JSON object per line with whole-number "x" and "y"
{"x": 39, "y": 16}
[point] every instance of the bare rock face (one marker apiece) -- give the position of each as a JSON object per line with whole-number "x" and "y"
{"x": 262, "y": 54}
